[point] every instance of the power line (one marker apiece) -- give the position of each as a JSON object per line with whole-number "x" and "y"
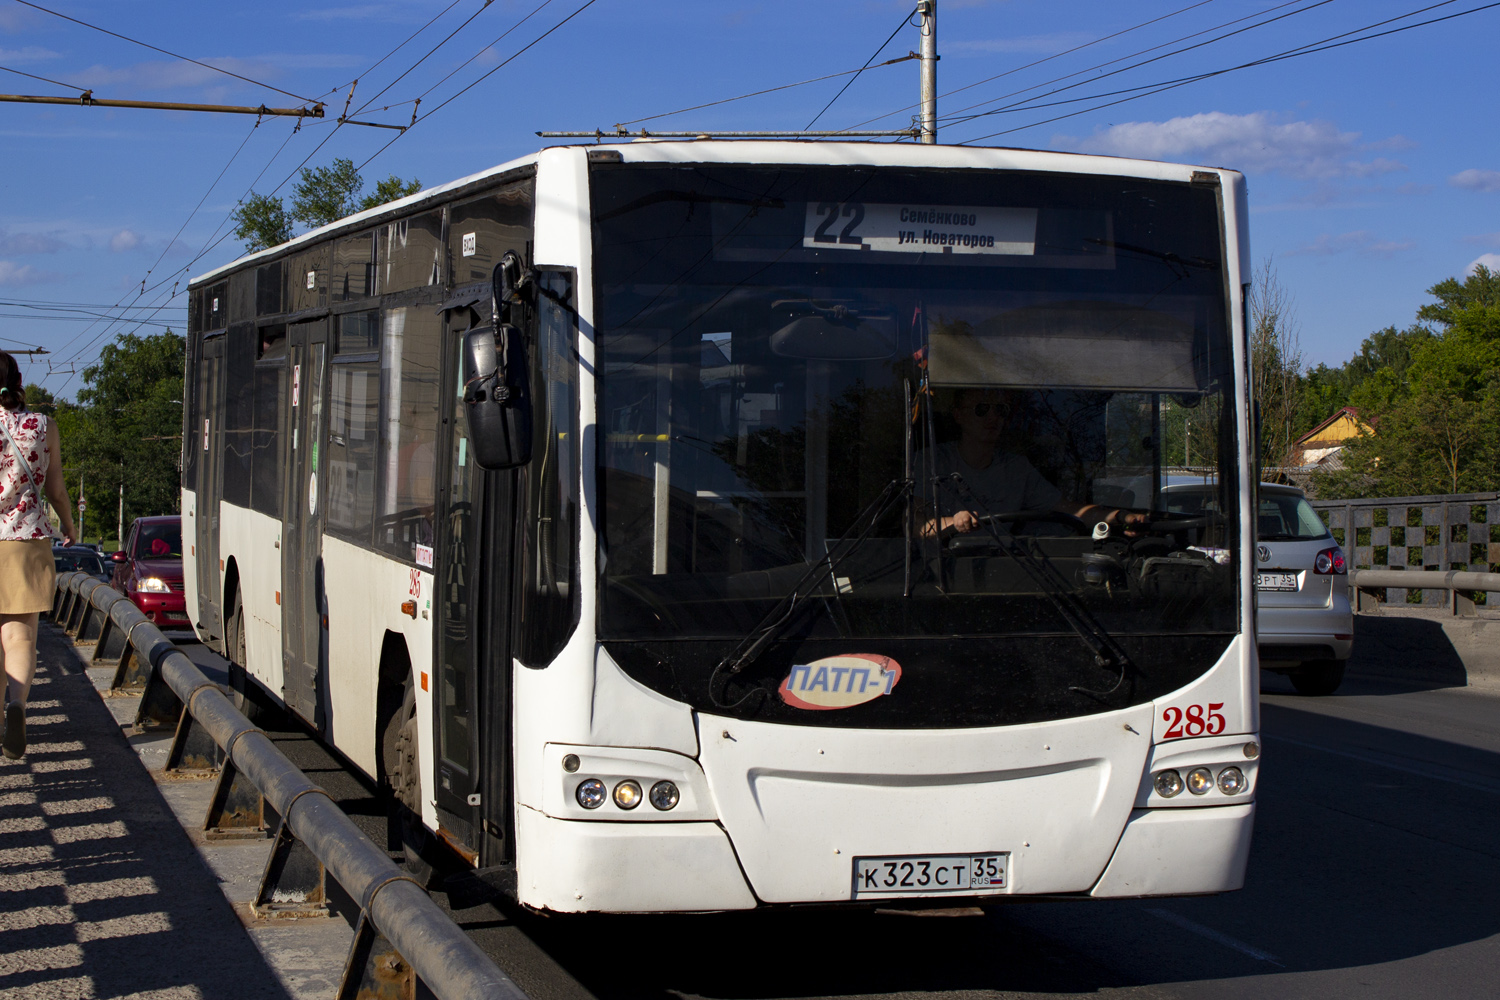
{"x": 534, "y": 11}
{"x": 409, "y": 38}
{"x": 60, "y": 303}
{"x": 165, "y": 52}
{"x": 1059, "y": 55}
{"x": 1028, "y": 105}
{"x": 144, "y": 290}
{"x": 514, "y": 56}
{"x": 33, "y": 76}
{"x": 905, "y": 21}
{"x": 1301, "y": 50}
{"x": 768, "y": 90}
{"x": 430, "y": 52}
{"x": 1144, "y": 62}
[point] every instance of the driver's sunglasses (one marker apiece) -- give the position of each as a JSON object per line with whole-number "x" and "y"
{"x": 983, "y": 409}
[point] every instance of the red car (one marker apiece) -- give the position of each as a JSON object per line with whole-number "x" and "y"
{"x": 149, "y": 570}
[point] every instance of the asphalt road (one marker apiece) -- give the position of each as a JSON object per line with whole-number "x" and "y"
{"x": 1375, "y": 873}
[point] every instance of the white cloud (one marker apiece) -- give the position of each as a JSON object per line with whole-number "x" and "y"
{"x": 1257, "y": 142}
{"x": 124, "y": 240}
{"x": 1487, "y": 181}
{"x": 12, "y": 273}
{"x": 29, "y": 243}
{"x": 29, "y": 54}
{"x": 1484, "y": 239}
{"x": 1361, "y": 241}
{"x": 1489, "y": 260}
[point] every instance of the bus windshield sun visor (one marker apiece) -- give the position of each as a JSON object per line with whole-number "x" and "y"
{"x": 1079, "y": 344}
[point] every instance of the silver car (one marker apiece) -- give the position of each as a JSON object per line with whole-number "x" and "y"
{"x": 1304, "y": 623}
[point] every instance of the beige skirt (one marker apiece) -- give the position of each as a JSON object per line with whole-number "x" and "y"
{"x": 28, "y": 577}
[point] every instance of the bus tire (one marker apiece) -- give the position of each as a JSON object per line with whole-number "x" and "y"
{"x": 403, "y": 784}
{"x": 248, "y": 697}
{"x": 1316, "y": 678}
{"x": 404, "y": 771}
{"x": 242, "y": 689}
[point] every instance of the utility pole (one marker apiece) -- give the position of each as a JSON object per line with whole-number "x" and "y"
{"x": 928, "y": 11}
{"x": 120, "y": 530}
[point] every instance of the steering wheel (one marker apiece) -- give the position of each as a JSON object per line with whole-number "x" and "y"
{"x": 1166, "y": 526}
{"x": 980, "y": 536}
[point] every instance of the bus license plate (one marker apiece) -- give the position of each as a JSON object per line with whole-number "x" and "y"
{"x": 1276, "y": 581}
{"x": 930, "y": 873}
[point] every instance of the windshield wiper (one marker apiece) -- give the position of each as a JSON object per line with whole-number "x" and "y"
{"x": 1107, "y": 652}
{"x": 776, "y": 621}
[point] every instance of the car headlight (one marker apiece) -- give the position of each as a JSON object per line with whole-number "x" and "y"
{"x": 153, "y": 585}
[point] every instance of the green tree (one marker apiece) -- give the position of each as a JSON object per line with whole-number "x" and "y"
{"x": 126, "y": 429}
{"x": 323, "y": 195}
{"x": 39, "y": 399}
{"x": 1275, "y": 366}
{"x": 1479, "y": 291}
{"x": 389, "y": 190}
{"x": 1432, "y": 398}
{"x": 261, "y": 222}
{"x": 326, "y": 194}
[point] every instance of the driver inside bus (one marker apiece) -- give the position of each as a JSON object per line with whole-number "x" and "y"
{"x": 1000, "y": 481}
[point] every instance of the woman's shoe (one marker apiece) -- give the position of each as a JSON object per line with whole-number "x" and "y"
{"x": 13, "y": 745}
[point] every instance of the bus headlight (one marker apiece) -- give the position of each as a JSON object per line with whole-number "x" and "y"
{"x": 1168, "y": 783}
{"x": 1200, "y": 780}
{"x": 664, "y": 795}
{"x": 590, "y": 793}
{"x": 628, "y": 794}
{"x": 1231, "y": 781}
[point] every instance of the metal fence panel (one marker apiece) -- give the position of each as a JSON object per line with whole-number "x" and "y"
{"x": 1453, "y": 532}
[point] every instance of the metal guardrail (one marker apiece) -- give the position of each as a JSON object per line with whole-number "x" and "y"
{"x": 402, "y": 936}
{"x": 1459, "y": 584}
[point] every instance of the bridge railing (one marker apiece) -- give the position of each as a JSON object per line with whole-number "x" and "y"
{"x": 403, "y": 939}
{"x": 1412, "y": 543}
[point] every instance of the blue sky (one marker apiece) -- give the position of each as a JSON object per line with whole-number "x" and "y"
{"x": 1374, "y": 169}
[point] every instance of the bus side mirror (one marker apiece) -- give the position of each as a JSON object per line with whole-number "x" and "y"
{"x": 497, "y": 397}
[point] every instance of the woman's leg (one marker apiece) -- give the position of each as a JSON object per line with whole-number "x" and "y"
{"x": 18, "y": 640}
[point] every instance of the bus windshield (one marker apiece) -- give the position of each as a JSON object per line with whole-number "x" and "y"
{"x": 1026, "y": 354}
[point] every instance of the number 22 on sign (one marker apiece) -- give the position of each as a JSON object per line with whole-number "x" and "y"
{"x": 1192, "y": 721}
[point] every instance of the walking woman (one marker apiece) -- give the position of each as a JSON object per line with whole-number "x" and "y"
{"x": 30, "y": 462}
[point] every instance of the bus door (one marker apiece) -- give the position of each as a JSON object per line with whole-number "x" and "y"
{"x": 472, "y": 637}
{"x": 210, "y": 445}
{"x": 304, "y": 622}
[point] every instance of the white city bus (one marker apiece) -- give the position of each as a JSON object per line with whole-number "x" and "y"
{"x": 589, "y": 504}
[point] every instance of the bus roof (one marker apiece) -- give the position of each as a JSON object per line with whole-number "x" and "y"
{"x": 744, "y": 151}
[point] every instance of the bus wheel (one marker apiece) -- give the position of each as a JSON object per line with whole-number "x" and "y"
{"x": 1318, "y": 677}
{"x": 246, "y": 696}
{"x": 403, "y": 773}
{"x": 403, "y": 781}
{"x": 243, "y": 690}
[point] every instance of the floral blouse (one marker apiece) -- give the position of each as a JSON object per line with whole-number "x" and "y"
{"x": 22, "y": 517}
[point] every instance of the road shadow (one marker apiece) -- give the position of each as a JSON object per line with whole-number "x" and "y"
{"x": 1416, "y": 651}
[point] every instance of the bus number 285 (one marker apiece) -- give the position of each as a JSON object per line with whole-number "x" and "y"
{"x": 1193, "y": 721}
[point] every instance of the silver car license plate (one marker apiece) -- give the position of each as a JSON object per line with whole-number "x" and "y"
{"x": 930, "y": 873}
{"x": 1276, "y": 581}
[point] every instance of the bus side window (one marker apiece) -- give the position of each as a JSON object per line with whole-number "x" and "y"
{"x": 354, "y": 410}
{"x": 549, "y": 600}
{"x": 410, "y": 387}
